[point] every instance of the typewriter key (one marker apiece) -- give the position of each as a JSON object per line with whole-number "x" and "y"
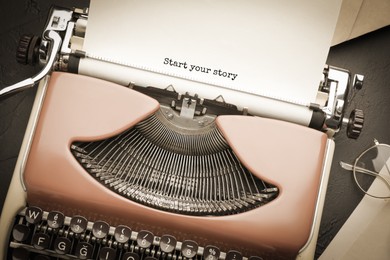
{"x": 20, "y": 254}
{"x": 41, "y": 241}
{"x": 211, "y": 253}
{"x": 233, "y": 255}
{"x": 167, "y": 243}
{"x": 42, "y": 257}
{"x": 100, "y": 229}
{"x": 84, "y": 250}
{"x": 145, "y": 239}
{"x": 55, "y": 219}
{"x": 130, "y": 256}
{"x": 20, "y": 232}
{"x": 33, "y": 215}
{"x": 107, "y": 253}
{"x": 62, "y": 245}
{"x": 189, "y": 248}
{"x": 78, "y": 224}
{"x": 255, "y": 258}
{"x": 122, "y": 234}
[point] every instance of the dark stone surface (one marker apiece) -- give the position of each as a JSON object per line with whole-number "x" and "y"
{"x": 368, "y": 55}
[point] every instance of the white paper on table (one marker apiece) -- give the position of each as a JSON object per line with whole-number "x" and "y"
{"x": 271, "y": 48}
{"x": 358, "y": 17}
{"x": 366, "y": 233}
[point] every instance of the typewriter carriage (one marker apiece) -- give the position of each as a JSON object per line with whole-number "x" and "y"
{"x": 334, "y": 91}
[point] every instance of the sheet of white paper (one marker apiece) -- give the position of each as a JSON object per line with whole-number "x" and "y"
{"x": 358, "y": 17}
{"x": 366, "y": 234}
{"x": 271, "y": 48}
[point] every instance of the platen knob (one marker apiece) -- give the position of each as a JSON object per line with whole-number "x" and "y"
{"x": 355, "y": 123}
{"x": 28, "y": 49}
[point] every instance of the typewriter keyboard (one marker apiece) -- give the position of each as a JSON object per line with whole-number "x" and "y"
{"x": 41, "y": 235}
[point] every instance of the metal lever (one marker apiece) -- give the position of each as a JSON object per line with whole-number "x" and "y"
{"x": 56, "y": 41}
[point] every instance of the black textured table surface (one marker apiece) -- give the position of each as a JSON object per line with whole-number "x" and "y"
{"x": 368, "y": 55}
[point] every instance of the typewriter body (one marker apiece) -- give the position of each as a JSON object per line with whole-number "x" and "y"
{"x": 124, "y": 165}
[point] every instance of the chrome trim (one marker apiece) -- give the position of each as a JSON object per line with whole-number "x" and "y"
{"x": 58, "y": 20}
{"x": 66, "y": 42}
{"x": 336, "y": 84}
{"x": 39, "y": 101}
{"x": 320, "y": 198}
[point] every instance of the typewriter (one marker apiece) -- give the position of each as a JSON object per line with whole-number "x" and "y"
{"x": 127, "y": 160}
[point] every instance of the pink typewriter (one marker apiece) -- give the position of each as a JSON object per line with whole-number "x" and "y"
{"x": 164, "y": 132}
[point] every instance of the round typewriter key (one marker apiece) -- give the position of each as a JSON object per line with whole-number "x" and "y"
{"x": 189, "y": 248}
{"x": 145, "y": 239}
{"x": 20, "y": 254}
{"x": 233, "y": 255}
{"x": 55, "y": 219}
{"x": 122, "y": 234}
{"x": 100, "y": 229}
{"x": 130, "y": 256}
{"x": 167, "y": 243}
{"x": 78, "y": 224}
{"x": 255, "y": 258}
{"x": 41, "y": 241}
{"x": 20, "y": 232}
{"x": 107, "y": 253}
{"x": 42, "y": 257}
{"x": 33, "y": 215}
{"x": 211, "y": 253}
{"x": 62, "y": 245}
{"x": 84, "y": 250}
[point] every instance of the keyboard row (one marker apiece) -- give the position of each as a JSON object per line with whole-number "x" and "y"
{"x": 38, "y": 234}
